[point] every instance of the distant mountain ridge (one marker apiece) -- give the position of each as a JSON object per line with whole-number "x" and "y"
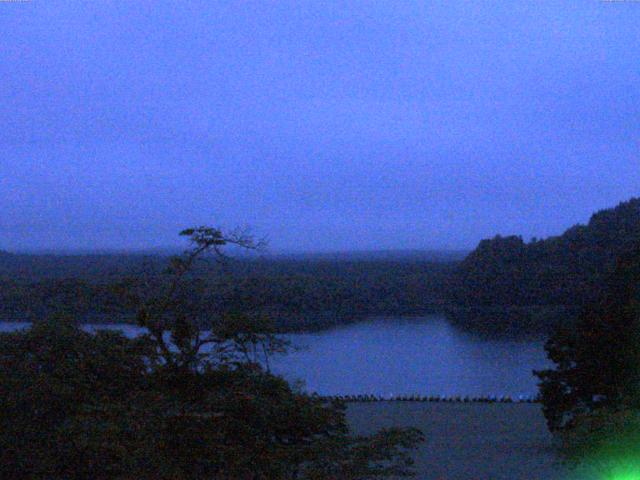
{"x": 97, "y": 263}
{"x": 379, "y": 255}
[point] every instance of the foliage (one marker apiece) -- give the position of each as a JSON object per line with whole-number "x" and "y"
{"x": 597, "y": 359}
{"x": 565, "y": 272}
{"x": 591, "y": 399}
{"x": 175, "y": 403}
{"x": 51, "y": 378}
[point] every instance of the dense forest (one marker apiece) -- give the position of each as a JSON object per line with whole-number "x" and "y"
{"x": 509, "y": 284}
{"x": 298, "y": 293}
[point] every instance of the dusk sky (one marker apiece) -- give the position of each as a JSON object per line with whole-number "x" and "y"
{"x": 325, "y": 125}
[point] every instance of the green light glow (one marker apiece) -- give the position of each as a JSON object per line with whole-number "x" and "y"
{"x": 626, "y": 476}
{"x": 608, "y": 468}
{"x": 627, "y": 471}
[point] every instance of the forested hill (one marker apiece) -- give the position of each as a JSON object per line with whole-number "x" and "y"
{"x": 563, "y": 272}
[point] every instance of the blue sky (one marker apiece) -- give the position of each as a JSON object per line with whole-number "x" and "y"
{"x": 324, "y": 125}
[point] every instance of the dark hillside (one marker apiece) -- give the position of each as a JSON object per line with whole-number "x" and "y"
{"x": 506, "y": 280}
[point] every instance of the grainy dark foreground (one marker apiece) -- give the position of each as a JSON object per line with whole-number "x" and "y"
{"x": 469, "y": 441}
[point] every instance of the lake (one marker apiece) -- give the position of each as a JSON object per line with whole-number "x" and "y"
{"x": 404, "y": 356}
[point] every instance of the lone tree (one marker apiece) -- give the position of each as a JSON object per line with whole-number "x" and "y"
{"x": 179, "y": 402}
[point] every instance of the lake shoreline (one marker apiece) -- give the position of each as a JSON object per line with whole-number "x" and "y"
{"x": 399, "y": 357}
{"x": 536, "y": 320}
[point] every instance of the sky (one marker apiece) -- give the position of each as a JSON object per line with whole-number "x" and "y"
{"x": 323, "y": 125}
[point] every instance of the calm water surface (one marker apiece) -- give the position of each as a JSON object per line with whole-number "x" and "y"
{"x": 402, "y": 356}
{"x": 412, "y": 355}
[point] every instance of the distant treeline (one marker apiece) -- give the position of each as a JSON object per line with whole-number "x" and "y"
{"x": 299, "y": 294}
{"x": 506, "y": 284}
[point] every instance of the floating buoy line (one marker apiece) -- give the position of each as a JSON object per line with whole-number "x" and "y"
{"x": 430, "y": 398}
